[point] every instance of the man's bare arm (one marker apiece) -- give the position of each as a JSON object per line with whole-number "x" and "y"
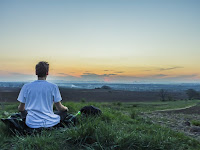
{"x": 21, "y": 107}
{"x": 60, "y": 107}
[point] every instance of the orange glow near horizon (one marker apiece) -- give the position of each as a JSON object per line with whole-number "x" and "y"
{"x": 55, "y": 69}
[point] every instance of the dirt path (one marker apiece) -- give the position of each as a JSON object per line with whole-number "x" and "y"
{"x": 178, "y": 119}
{"x": 177, "y": 109}
{"x": 189, "y": 110}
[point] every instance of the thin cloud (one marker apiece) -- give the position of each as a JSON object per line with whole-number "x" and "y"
{"x": 64, "y": 74}
{"x": 107, "y": 70}
{"x": 112, "y": 74}
{"x": 158, "y": 75}
{"x": 184, "y": 76}
{"x": 170, "y": 68}
{"x": 119, "y": 72}
{"x": 94, "y": 75}
{"x": 162, "y": 69}
{"x": 19, "y": 74}
{"x": 89, "y": 73}
{"x": 97, "y": 77}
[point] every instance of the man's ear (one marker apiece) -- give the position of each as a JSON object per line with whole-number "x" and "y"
{"x": 47, "y": 73}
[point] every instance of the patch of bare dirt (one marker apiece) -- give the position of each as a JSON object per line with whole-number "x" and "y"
{"x": 178, "y": 120}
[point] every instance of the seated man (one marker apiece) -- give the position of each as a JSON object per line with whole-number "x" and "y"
{"x": 38, "y": 97}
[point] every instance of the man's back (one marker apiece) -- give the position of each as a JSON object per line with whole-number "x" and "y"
{"x": 38, "y": 97}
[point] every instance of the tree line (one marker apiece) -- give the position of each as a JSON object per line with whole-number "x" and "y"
{"x": 164, "y": 95}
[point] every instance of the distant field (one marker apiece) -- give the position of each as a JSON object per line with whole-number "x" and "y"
{"x": 96, "y": 95}
{"x": 133, "y": 125}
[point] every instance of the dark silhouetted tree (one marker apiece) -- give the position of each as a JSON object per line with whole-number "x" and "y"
{"x": 105, "y": 87}
{"x": 163, "y": 95}
{"x": 192, "y": 94}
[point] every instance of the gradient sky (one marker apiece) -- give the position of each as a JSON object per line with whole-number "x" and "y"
{"x": 144, "y": 41}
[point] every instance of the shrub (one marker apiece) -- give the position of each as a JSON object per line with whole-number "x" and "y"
{"x": 133, "y": 114}
{"x": 195, "y": 122}
{"x": 119, "y": 104}
{"x": 134, "y": 105}
{"x": 83, "y": 100}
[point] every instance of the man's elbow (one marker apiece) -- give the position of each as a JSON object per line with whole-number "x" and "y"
{"x": 60, "y": 107}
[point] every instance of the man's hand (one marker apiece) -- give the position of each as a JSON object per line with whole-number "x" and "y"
{"x": 21, "y": 107}
{"x": 66, "y": 108}
{"x": 61, "y": 107}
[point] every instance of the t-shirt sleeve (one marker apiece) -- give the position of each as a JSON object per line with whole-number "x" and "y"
{"x": 56, "y": 95}
{"x": 22, "y": 95}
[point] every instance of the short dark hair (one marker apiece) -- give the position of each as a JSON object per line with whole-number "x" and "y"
{"x": 42, "y": 68}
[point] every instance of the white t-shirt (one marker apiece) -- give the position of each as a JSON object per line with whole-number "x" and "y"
{"x": 39, "y": 97}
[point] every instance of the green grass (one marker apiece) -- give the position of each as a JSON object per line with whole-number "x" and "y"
{"x": 119, "y": 127}
{"x": 195, "y": 122}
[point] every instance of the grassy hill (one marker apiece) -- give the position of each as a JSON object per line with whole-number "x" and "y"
{"x": 121, "y": 126}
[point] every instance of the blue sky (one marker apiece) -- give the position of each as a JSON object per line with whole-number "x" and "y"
{"x": 81, "y": 39}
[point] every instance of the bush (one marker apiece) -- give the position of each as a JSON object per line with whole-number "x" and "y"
{"x": 133, "y": 114}
{"x": 195, "y": 122}
{"x": 134, "y": 105}
{"x": 83, "y": 100}
{"x": 119, "y": 104}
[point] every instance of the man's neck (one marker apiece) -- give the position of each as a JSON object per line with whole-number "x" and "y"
{"x": 42, "y": 78}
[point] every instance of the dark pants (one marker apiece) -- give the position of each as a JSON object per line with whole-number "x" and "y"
{"x": 62, "y": 114}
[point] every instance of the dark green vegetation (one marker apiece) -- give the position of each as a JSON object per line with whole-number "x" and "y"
{"x": 192, "y": 94}
{"x": 196, "y": 122}
{"x": 119, "y": 127}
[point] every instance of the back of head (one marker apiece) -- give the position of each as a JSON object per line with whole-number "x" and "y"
{"x": 42, "y": 69}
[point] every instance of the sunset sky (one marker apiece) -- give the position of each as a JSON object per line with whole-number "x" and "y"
{"x": 132, "y": 41}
